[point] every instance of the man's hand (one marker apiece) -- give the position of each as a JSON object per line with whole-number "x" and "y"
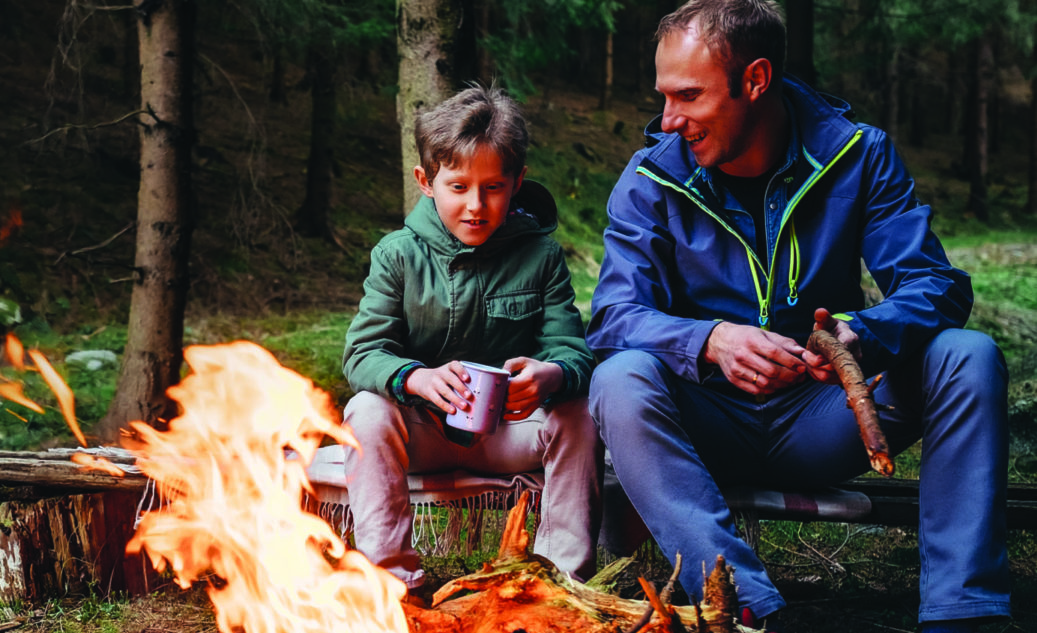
{"x": 754, "y": 360}
{"x": 818, "y": 368}
{"x": 444, "y": 386}
{"x": 532, "y": 382}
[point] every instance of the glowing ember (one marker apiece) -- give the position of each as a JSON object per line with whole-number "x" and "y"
{"x": 234, "y": 501}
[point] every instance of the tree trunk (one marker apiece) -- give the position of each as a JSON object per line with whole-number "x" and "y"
{"x": 1031, "y": 201}
{"x": 977, "y": 137}
{"x": 891, "y": 103}
{"x": 919, "y": 112}
{"x": 800, "y": 57}
{"x": 312, "y": 217}
{"x": 484, "y": 62}
{"x": 605, "y": 101}
{"x": 153, "y": 355}
{"x": 278, "y": 94}
{"x": 426, "y": 37}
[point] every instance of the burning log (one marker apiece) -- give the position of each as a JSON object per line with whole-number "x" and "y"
{"x": 858, "y": 397}
{"x": 523, "y": 591}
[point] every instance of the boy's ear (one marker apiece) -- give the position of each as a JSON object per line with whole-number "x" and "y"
{"x": 423, "y": 182}
{"x": 518, "y": 180}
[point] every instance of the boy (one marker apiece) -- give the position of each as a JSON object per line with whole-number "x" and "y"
{"x": 472, "y": 276}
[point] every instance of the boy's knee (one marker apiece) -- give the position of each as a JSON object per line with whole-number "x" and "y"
{"x": 372, "y": 417}
{"x": 572, "y": 417}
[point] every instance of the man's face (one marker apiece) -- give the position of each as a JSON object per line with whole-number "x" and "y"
{"x": 699, "y": 105}
{"x": 473, "y": 197}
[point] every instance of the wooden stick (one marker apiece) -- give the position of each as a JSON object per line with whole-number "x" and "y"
{"x": 858, "y": 398}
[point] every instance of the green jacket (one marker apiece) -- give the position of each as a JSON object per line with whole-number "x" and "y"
{"x": 430, "y": 299}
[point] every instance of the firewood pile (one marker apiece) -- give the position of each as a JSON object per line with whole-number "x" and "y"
{"x": 520, "y": 591}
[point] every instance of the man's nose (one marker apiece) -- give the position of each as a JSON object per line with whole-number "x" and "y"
{"x": 673, "y": 120}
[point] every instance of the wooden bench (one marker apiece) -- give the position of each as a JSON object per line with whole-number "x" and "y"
{"x": 865, "y": 500}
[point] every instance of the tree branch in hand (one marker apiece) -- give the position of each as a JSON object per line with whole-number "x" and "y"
{"x": 858, "y": 397}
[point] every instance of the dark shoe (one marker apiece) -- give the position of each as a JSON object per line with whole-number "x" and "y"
{"x": 950, "y": 626}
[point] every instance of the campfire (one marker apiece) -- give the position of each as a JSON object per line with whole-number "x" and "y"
{"x": 231, "y": 472}
{"x": 232, "y": 469}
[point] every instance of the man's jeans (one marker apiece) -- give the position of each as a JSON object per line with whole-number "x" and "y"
{"x": 673, "y": 441}
{"x": 396, "y": 440}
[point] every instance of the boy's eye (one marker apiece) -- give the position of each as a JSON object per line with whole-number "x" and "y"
{"x": 457, "y": 187}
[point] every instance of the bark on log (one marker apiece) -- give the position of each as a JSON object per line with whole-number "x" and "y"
{"x": 70, "y": 545}
{"x": 25, "y": 476}
{"x": 522, "y": 591}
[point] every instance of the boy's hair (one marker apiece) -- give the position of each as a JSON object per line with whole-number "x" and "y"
{"x": 739, "y": 31}
{"x": 473, "y": 118}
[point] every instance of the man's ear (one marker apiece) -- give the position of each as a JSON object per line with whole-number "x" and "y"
{"x": 757, "y": 78}
{"x": 423, "y": 182}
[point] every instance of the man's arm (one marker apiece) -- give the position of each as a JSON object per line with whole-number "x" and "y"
{"x": 923, "y": 294}
{"x": 634, "y": 300}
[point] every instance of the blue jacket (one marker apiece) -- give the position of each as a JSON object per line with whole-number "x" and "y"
{"x": 680, "y": 252}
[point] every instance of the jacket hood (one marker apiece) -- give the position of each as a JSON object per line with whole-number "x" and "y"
{"x": 532, "y": 212}
{"x": 822, "y": 125}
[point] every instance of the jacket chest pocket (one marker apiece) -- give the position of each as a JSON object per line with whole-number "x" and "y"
{"x": 514, "y": 320}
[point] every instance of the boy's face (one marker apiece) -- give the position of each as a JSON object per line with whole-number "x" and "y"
{"x": 472, "y": 198}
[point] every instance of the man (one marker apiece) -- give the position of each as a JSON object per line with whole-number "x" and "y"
{"x": 744, "y": 218}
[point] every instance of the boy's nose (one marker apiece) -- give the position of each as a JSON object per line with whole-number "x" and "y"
{"x": 474, "y": 201}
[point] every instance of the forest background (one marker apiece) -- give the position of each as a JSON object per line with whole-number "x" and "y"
{"x": 295, "y": 156}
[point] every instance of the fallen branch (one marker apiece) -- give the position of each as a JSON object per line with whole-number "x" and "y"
{"x": 663, "y": 597}
{"x": 858, "y": 398}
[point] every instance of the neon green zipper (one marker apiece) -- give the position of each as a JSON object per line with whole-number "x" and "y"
{"x": 756, "y": 267}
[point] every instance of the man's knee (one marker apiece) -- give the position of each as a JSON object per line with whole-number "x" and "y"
{"x": 965, "y": 350}
{"x": 622, "y": 384}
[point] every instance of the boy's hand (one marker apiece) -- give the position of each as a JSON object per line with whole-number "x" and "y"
{"x": 443, "y": 386}
{"x": 819, "y": 369}
{"x": 532, "y": 382}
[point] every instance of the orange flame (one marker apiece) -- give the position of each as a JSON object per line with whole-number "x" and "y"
{"x": 235, "y": 501}
{"x": 92, "y": 462}
{"x": 15, "y": 352}
{"x": 61, "y": 391}
{"x": 10, "y": 224}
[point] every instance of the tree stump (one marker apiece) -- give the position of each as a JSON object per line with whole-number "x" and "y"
{"x": 73, "y": 544}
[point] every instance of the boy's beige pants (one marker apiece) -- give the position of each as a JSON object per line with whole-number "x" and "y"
{"x": 396, "y": 440}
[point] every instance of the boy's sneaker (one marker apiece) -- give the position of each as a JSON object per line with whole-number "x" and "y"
{"x": 769, "y": 624}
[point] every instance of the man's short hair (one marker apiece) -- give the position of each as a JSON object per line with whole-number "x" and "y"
{"x": 473, "y": 118}
{"x": 739, "y": 31}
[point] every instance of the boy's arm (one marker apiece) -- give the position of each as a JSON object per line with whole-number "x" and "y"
{"x": 375, "y": 357}
{"x": 561, "y": 337}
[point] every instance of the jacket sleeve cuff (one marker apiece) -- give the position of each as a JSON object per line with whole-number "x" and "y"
{"x": 567, "y": 383}
{"x": 399, "y": 380}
